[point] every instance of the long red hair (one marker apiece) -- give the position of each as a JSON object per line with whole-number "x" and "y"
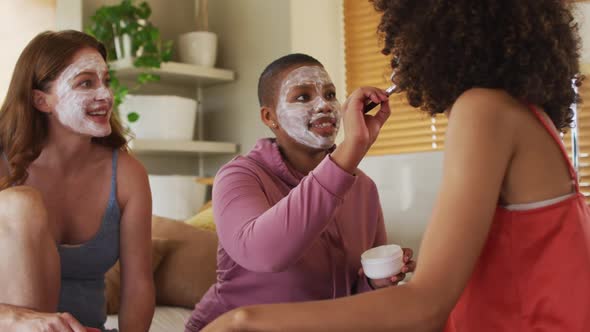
{"x": 23, "y": 129}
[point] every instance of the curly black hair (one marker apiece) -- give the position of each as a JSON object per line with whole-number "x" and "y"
{"x": 441, "y": 48}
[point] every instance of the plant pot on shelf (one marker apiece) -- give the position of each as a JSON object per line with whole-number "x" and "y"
{"x": 160, "y": 117}
{"x": 198, "y": 48}
{"x": 176, "y": 196}
{"x": 123, "y": 48}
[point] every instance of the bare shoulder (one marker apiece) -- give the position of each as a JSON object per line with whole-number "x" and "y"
{"x": 129, "y": 169}
{"x": 132, "y": 176}
{"x": 491, "y": 102}
{"x": 489, "y": 108}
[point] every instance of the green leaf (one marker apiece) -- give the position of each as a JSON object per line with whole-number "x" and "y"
{"x": 144, "y": 10}
{"x": 147, "y": 61}
{"x": 144, "y": 78}
{"x": 154, "y": 34}
{"x": 130, "y": 17}
{"x": 119, "y": 95}
{"x": 167, "y": 51}
{"x": 150, "y": 49}
{"x": 132, "y": 117}
{"x": 123, "y": 91}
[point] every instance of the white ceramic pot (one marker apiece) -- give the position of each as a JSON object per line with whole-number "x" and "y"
{"x": 123, "y": 47}
{"x": 176, "y": 196}
{"x": 198, "y": 48}
{"x": 160, "y": 117}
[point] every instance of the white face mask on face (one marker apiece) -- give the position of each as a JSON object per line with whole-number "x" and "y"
{"x": 84, "y": 102}
{"x": 312, "y": 118}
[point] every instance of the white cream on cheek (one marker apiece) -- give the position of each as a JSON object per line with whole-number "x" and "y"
{"x": 295, "y": 117}
{"x": 74, "y": 103}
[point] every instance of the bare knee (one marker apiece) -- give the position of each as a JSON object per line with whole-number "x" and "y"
{"x": 28, "y": 255}
{"x": 22, "y": 209}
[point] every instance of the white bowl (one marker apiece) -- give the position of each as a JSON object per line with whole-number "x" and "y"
{"x": 383, "y": 261}
{"x": 160, "y": 117}
{"x": 198, "y": 48}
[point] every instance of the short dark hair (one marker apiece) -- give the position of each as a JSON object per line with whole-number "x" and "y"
{"x": 267, "y": 83}
{"x": 441, "y": 48}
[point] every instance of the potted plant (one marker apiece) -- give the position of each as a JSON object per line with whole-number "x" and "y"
{"x": 128, "y": 34}
{"x": 199, "y": 47}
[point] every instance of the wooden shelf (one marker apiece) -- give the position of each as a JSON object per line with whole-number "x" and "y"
{"x": 145, "y": 146}
{"x": 205, "y": 181}
{"x": 177, "y": 72}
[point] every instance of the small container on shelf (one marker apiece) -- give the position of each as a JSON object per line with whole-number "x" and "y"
{"x": 160, "y": 117}
{"x": 176, "y": 196}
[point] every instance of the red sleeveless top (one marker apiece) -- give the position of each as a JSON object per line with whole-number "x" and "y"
{"x": 534, "y": 271}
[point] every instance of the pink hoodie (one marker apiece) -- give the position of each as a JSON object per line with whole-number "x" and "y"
{"x": 285, "y": 237}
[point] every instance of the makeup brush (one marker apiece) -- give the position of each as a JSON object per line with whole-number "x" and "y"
{"x": 370, "y": 105}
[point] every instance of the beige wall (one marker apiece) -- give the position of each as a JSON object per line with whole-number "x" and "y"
{"x": 251, "y": 34}
{"x": 172, "y": 17}
{"x": 582, "y": 13}
{"x": 20, "y": 21}
{"x": 68, "y": 15}
{"x": 317, "y": 29}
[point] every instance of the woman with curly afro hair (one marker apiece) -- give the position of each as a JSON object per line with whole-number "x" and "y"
{"x": 508, "y": 244}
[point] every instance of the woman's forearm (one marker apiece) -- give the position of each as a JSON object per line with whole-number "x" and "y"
{"x": 402, "y": 308}
{"x": 20, "y": 319}
{"x": 7, "y": 316}
{"x": 137, "y": 307}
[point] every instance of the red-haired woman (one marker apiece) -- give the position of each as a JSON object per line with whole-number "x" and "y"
{"x": 73, "y": 201}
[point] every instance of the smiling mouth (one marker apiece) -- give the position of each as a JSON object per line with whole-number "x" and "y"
{"x": 98, "y": 113}
{"x": 323, "y": 123}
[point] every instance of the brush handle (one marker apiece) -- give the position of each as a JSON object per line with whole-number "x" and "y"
{"x": 368, "y": 107}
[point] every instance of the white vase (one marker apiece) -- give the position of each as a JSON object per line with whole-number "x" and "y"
{"x": 198, "y": 48}
{"x": 160, "y": 117}
{"x": 176, "y": 196}
{"x": 123, "y": 47}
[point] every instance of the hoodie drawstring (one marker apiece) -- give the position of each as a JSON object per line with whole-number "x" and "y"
{"x": 338, "y": 244}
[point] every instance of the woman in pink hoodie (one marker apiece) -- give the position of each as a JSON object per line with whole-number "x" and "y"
{"x": 293, "y": 224}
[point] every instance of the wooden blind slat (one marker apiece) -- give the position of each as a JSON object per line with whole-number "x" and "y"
{"x": 407, "y": 130}
{"x": 583, "y": 128}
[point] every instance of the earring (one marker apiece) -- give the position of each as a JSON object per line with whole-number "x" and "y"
{"x": 274, "y": 125}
